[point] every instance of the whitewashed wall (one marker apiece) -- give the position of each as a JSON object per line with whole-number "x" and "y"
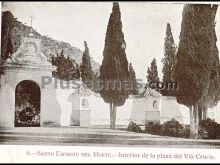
{"x": 173, "y": 110}
{"x": 58, "y": 105}
{"x": 214, "y": 113}
{"x": 133, "y": 110}
{"x": 6, "y": 104}
{"x": 64, "y": 99}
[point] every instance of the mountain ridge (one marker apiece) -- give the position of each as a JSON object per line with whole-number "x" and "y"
{"x": 13, "y": 30}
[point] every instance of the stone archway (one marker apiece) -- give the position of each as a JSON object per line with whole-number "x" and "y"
{"x": 27, "y": 104}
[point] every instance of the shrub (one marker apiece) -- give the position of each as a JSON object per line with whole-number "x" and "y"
{"x": 203, "y": 134}
{"x": 209, "y": 129}
{"x": 184, "y": 132}
{"x": 153, "y": 128}
{"x": 133, "y": 127}
{"x": 172, "y": 128}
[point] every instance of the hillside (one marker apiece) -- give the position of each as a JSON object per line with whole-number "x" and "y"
{"x": 13, "y": 30}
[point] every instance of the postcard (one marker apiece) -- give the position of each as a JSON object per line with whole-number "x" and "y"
{"x": 110, "y": 82}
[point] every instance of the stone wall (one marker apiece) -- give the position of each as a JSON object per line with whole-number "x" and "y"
{"x": 58, "y": 104}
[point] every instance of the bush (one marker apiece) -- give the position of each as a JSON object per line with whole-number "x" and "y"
{"x": 133, "y": 127}
{"x": 153, "y": 128}
{"x": 209, "y": 129}
{"x": 172, "y": 128}
{"x": 203, "y": 134}
{"x": 185, "y": 132}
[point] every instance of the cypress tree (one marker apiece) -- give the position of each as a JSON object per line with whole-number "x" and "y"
{"x": 77, "y": 74}
{"x": 8, "y": 23}
{"x": 114, "y": 66}
{"x": 195, "y": 59}
{"x": 169, "y": 60}
{"x": 85, "y": 67}
{"x": 132, "y": 79}
{"x": 152, "y": 73}
{"x": 66, "y": 68}
{"x": 212, "y": 97}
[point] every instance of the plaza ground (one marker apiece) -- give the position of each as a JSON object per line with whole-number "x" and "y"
{"x": 77, "y": 136}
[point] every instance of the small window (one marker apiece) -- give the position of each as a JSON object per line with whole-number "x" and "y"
{"x": 85, "y": 103}
{"x": 155, "y": 104}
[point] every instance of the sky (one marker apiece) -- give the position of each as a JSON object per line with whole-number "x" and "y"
{"x": 144, "y": 26}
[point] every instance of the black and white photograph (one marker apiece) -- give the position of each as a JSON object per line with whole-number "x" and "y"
{"x": 110, "y": 74}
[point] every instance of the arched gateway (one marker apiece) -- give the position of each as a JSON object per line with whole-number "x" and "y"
{"x": 23, "y": 98}
{"x": 27, "y": 104}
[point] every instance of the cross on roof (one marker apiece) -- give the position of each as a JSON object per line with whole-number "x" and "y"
{"x": 31, "y": 29}
{"x": 31, "y": 17}
{"x": 80, "y": 75}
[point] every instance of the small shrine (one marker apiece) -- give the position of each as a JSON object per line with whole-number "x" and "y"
{"x": 81, "y": 110}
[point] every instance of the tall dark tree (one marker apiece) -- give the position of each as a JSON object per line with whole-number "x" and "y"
{"x": 152, "y": 73}
{"x": 132, "y": 79}
{"x": 78, "y": 74}
{"x": 8, "y": 22}
{"x": 66, "y": 68}
{"x": 169, "y": 60}
{"x": 85, "y": 67}
{"x": 213, "y": 95}
{"x": 195, "y": 58}
{"x": 114, "y": 66}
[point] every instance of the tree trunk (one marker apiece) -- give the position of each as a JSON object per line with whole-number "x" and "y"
{"x": 111, "y": 115}
{"x": 191, "y": 121}
{"x": 194, "y": 121}
{"x": 200, "y": 109}
{"x": 114, "y": 115}
{"x": 113, "y": 109}
{"x": 204, "y": 113}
